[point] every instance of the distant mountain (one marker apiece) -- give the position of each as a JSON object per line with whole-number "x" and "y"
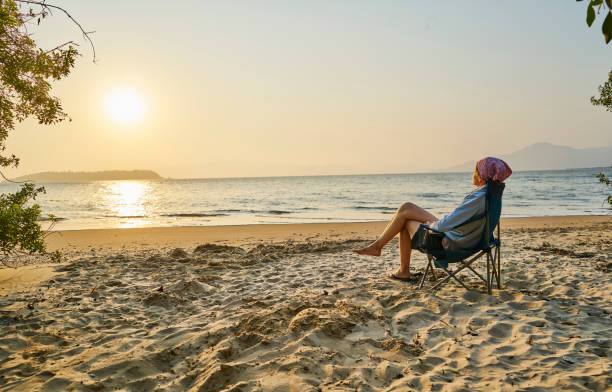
{"x": 106, "y": 175}
{"x": 546, "y": 156}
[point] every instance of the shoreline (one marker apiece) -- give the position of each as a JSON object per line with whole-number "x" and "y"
{"x": 508, "y": 218}
{"x": 249, "y": 234}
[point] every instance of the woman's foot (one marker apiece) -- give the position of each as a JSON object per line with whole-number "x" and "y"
{"x": 405, "y": 276}
{"x": 401, "y": 275}
{"x": 370, "y": 250}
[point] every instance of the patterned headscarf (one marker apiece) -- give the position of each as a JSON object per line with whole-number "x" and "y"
{"x": 495, "y": 169}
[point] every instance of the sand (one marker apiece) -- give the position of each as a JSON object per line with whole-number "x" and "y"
{"x": 290, "y": 308}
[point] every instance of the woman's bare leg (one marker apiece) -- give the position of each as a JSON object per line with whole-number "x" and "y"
{"x": 407, "y": 212}
{"x": 405, "y": 245}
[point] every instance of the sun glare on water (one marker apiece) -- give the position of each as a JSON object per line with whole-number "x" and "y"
{"x": 127, "y": 201}
{"x": 125, "y": 106}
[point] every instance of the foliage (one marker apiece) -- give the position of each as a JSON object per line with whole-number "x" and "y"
{"x": 606, "y": 180}
{"x": 605, "y": 91}
{"x": 605, "y": 95}
{"x": 20, "y": 232}
{"x": 606, "y": 27}
{"x": 26, "y": 74}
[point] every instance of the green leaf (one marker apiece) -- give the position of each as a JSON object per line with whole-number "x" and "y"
{"x": 609, "y": 4}
{"x": 596, "y": 2}
{"x": 606, "y": 27}
{"x": 590, "y": 15}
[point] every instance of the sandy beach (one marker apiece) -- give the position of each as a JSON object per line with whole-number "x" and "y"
{"x": 291, "y": 308}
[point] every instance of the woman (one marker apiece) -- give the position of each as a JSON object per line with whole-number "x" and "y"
{"x": 409, "y": 217}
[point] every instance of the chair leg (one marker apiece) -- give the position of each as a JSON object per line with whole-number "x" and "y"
{"x": 423, "y": 277}
{"x": 498, "y": 249}
{"x": 451, "y": 274}
{"x": 489, "y": 272}
{"x": 476, "y": 273}
{"x": 429, "y": 267}
{"x": 494, "y": 270}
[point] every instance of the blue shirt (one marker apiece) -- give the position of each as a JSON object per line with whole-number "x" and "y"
{"x": 467, "y": 236}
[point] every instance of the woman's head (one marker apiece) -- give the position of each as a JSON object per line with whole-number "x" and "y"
{"x": 476, "y": 179}
{"x": 490, "y": 168}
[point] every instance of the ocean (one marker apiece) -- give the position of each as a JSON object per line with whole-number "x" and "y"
{"x": 343, "y": 198}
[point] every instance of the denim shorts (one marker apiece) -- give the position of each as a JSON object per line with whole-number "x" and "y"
{"x": 425, "y": 239}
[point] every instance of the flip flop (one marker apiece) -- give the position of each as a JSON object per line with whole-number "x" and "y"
{"x": 412, "y": 279}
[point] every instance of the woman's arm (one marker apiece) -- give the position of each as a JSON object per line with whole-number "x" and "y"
{"x": 472, "y": 205}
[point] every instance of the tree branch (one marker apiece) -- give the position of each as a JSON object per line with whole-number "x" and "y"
{"x": 61, "y": 46}
{"x": 44, "y": 5}
{"x": 14, "y": 182}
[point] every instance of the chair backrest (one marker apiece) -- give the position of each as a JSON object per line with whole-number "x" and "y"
{"x": 495, "y": 191}
{"x": 492, "y": 215}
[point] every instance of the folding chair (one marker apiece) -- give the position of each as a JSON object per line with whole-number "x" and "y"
{"x": 489, "y": 246}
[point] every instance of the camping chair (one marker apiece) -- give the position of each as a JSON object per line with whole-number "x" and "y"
{"x": 489, "y": 246}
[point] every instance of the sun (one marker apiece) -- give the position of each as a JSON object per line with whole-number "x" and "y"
{"x": 125, "y": 106}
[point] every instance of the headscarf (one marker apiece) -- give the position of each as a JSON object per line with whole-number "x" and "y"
{"x": 495, "y": 169}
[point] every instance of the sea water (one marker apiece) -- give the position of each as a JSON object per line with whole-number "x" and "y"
{"x": 344, "y": 198}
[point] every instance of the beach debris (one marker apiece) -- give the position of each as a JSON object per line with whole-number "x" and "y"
{"x": 434, "y": 328}
{"x": 531, "y": 340}
{"x": 567, "y": 323}
{"x": 94, "y": 291}
{"x": 160, "y": 289}
{"x": 573, "y": 337}
{"x": 91, "y": 375}
{"x": 470, "y": 331}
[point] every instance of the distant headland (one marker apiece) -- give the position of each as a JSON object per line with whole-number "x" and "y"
{"x": 547, "y": 156}
{"x": 105, "y": 175}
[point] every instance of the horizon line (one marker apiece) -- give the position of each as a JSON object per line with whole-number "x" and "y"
{"x": 288, "y": 176}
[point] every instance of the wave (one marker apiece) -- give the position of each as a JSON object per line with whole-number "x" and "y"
{"x": 47, "y": 219}
{"x": 300, "y": 218}
{"x": 428, "y": 195}
{"x": 194, "y": 215}
{"x": 376, "y": 208}
{"x": 125, "y": 216}
{"x": 272, "y": 212}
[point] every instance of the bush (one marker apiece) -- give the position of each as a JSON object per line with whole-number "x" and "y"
{"x": 20, "y": 232}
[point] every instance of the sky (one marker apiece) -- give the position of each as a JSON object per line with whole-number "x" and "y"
{"x": 272, "y": 88}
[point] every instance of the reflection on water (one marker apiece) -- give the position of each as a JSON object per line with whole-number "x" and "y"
{"x": 127, "y": 200}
